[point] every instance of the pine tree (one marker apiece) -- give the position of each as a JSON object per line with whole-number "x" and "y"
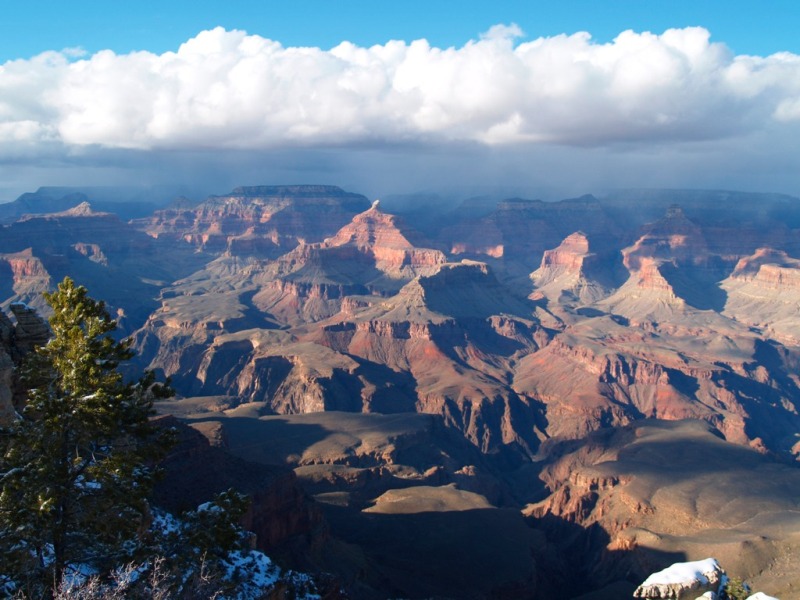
{"x": 77, "y": 466}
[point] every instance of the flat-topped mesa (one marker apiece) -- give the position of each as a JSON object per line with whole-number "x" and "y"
{"x": 769, "y": 268}
{"x": 259, "y": 219}
{"x": 763, "y": 291}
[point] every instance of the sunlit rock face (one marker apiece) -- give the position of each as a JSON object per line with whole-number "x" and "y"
{"x": 598, "y": 347}
{"x": 764, "y": 292}
{"x": 574, "y": 274}
{"x": 620, "y": 319}
{"x": 260, "y": 220}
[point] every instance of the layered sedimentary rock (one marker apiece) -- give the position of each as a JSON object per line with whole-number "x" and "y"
{"x": 604, "y": 371}
{"x": 375, "y": 319}
{"x": 658, "y": 492}
{"x": 261, "y": 220}
{"x": 573, "y": 274}
{"x": 518, "y": 231}
{"x": 669, "y": 266}
{"x": 118, "y": 264}
{"x": 25, "y": 275}
{"x": 398, "y": 485}
{"x": 764, "y": 292}
{"x": 374, "y": 253}
{"x": 291, "y": 301}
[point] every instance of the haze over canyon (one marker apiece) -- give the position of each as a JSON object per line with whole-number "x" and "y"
{"x": 476, "y": 400}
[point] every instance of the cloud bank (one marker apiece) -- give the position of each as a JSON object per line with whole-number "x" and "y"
{"x": 229, "y": 90}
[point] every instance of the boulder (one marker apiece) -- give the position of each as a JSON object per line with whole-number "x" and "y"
{"x": 682, "y": 580}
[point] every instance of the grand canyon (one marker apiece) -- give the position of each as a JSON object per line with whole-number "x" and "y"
{"x": 485, "y": 399}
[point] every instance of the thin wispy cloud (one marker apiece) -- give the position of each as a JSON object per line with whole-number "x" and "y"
{"x": 226, "y": 89}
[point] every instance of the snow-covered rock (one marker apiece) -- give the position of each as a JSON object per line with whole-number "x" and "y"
{"x": 682, "y": 580}
{"x": 761, "y": 596}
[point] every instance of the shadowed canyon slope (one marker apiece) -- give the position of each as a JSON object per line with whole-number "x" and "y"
{"x": 542, "y": 355}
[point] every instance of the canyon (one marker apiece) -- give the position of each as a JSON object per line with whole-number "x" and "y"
{"x": 537, "y": 399}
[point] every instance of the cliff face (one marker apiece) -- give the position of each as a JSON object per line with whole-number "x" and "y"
{"x": 764, "y": 292}
{"x": 573, "y": 274}
{"x": 280, "y": 514}
{"x": 288, "y": 303}
{"x": 644, "y": 488}
{"x": 260, "y": 220}
{"x": 117, "y": 263}
{"x": 17, "y": 340}
{"x": 375, "y": 319}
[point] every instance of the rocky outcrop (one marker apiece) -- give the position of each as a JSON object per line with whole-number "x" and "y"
{"x": 396, "y": 250}
{"x": 17, "y": 340}
{"x": 28, "y": 275}
{"x": 683, "y": 581}
{"x": 118, "y": 264}
{"x": 764, "y": 292}
{"x": 670, "y": 270}
{"x": 674, "y": 237}
{"x": 260, "y": 220}
{"x": 643, "y": 500}
{"x": 571, "y": 273}
{"x": 31, "y": 330}
{"x": 280, "y": 514}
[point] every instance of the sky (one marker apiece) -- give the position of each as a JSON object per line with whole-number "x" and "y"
{"x": 506, "y": 97}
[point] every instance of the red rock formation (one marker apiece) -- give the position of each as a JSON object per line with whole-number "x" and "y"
{"x": 375, "y": 322}
{"x": 263, "y": 220}
{"x": 656, "y": 488}
{"x": 572, "y": 269}
{"x": 520, "y": 231}
{"x": 372, "y": 253}
{"x": 764, "y": 292}
{"x": 672, "y": 238}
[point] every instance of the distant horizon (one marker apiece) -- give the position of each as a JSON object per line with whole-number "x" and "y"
{"x": 130, "y": 192}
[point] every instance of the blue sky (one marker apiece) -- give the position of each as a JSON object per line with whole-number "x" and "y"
{"x": 748, "y": 27}
{"x": 505, "y": 95}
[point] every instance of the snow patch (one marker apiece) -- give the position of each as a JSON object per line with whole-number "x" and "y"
{"x": 699, "y": 570}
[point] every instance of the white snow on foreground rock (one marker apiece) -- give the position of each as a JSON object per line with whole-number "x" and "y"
{"x": 681, "y": 579}
{"x": 698, "y": 580}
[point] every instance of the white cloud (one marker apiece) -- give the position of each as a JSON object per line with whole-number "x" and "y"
{"x": 227, "y": 89}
